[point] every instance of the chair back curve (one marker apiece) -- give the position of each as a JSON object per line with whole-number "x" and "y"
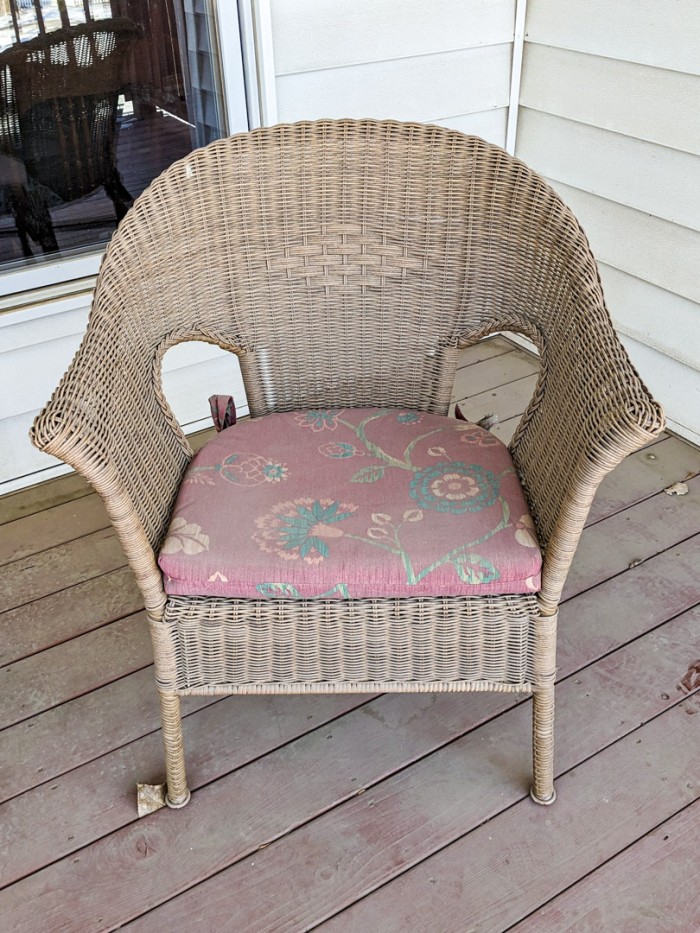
{"x": 345, "y": 262}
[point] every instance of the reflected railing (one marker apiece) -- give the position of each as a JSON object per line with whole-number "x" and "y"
{"x": 97, "y": 97}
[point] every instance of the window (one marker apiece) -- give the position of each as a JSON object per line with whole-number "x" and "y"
{"x": 97, "y": 97}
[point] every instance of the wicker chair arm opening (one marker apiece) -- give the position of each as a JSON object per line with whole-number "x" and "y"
{"x": 589, "y": 411}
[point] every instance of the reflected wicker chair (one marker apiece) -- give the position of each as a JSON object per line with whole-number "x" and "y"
{"x": 58, "y": 115}
{"x": 347, "y": 264}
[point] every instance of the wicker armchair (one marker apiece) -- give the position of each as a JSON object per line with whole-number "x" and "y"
{"x": 346, "y": 263}
{"x": 58, "y": 116}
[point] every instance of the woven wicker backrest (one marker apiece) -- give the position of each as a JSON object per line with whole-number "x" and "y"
{"x": 345, "y": 263}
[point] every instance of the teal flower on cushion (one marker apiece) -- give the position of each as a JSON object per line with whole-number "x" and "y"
{"x": 318, "y": 419}
{"x": 300, "y": 528}
{"x": 474, "y": 569}
{"x": 409, "y": 417}
{"x": 454, "y": 487}
{"x": 274, "y": 472}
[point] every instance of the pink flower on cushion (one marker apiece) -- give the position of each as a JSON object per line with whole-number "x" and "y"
{"x": 318, "y": 419}
{"x": 476, "y": 436}
{"x": 245, "y": 469}
{"x": 454, "y": 486}
{"x": 525, "y": 532}
{"x": 186, "y": 537}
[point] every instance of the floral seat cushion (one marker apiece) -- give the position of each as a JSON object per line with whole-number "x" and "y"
{"x": 351, "y": 503}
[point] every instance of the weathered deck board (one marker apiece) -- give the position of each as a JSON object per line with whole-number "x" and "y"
{"x": 488, "y": 374}
{"x": 346, "y": 853}
{"x": 58, "y": 525}
{"x": 219, "y": 737}
{"x": 392, "y": 727}
{"x": 652, "y": 887}
{"x": 651, "y": 469}
{"x": 73, "y": 668}
{"x": 628, "y": 605}
{"x": 57, "y": 740}
{"x": 505, "y": 401}
{"x": 257, "y": 804}
{"x": 485, "y": 350}
{"x": 648, "y": 528}
{"x": 491, "y": 877}
{"x": 42, "y": 496}
{"x": 57, "y": 617}
{"x": 59, "y": 568}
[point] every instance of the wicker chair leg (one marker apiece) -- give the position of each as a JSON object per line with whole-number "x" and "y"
{"x": 542, "y": 790}
{"x": 178, "y": 793}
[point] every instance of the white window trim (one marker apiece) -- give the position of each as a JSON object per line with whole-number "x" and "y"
{"x": 265, "y": 62}
{"x": 19, "y": 286}
{"x": 231, "y": 33}
{"x": 516, "y": 72}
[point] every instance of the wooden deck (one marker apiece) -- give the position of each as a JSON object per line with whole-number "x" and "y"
{"x": 366, "y": 814}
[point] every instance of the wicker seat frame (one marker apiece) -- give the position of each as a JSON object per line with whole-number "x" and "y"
{"x": 347, "y": 263}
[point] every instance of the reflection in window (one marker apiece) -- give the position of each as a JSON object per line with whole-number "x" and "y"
{"x": 97, "y": 97}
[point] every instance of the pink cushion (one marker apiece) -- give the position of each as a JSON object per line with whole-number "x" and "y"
{"x": 351, "y": 503}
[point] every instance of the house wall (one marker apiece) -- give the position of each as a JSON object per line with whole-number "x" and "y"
{"x": 447, "y": 62}
{"x": 609, "y": 114}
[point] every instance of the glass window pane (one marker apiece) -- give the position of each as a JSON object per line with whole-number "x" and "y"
{"x": 97, "y": 97}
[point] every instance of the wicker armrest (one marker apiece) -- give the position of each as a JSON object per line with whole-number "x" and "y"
{"x": 589, "y": 411}
{"x": 105, "y": 420}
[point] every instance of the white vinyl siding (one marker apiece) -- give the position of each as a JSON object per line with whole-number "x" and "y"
{"x": 446, "y": 63}
{"x": 648, "y": 103}
{"x": 610, "y": 115}
{"x": 661, "y": 33}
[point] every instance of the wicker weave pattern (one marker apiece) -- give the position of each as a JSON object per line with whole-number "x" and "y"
{"x": 346, "y": 263}
{"x": 240, "y": 645}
